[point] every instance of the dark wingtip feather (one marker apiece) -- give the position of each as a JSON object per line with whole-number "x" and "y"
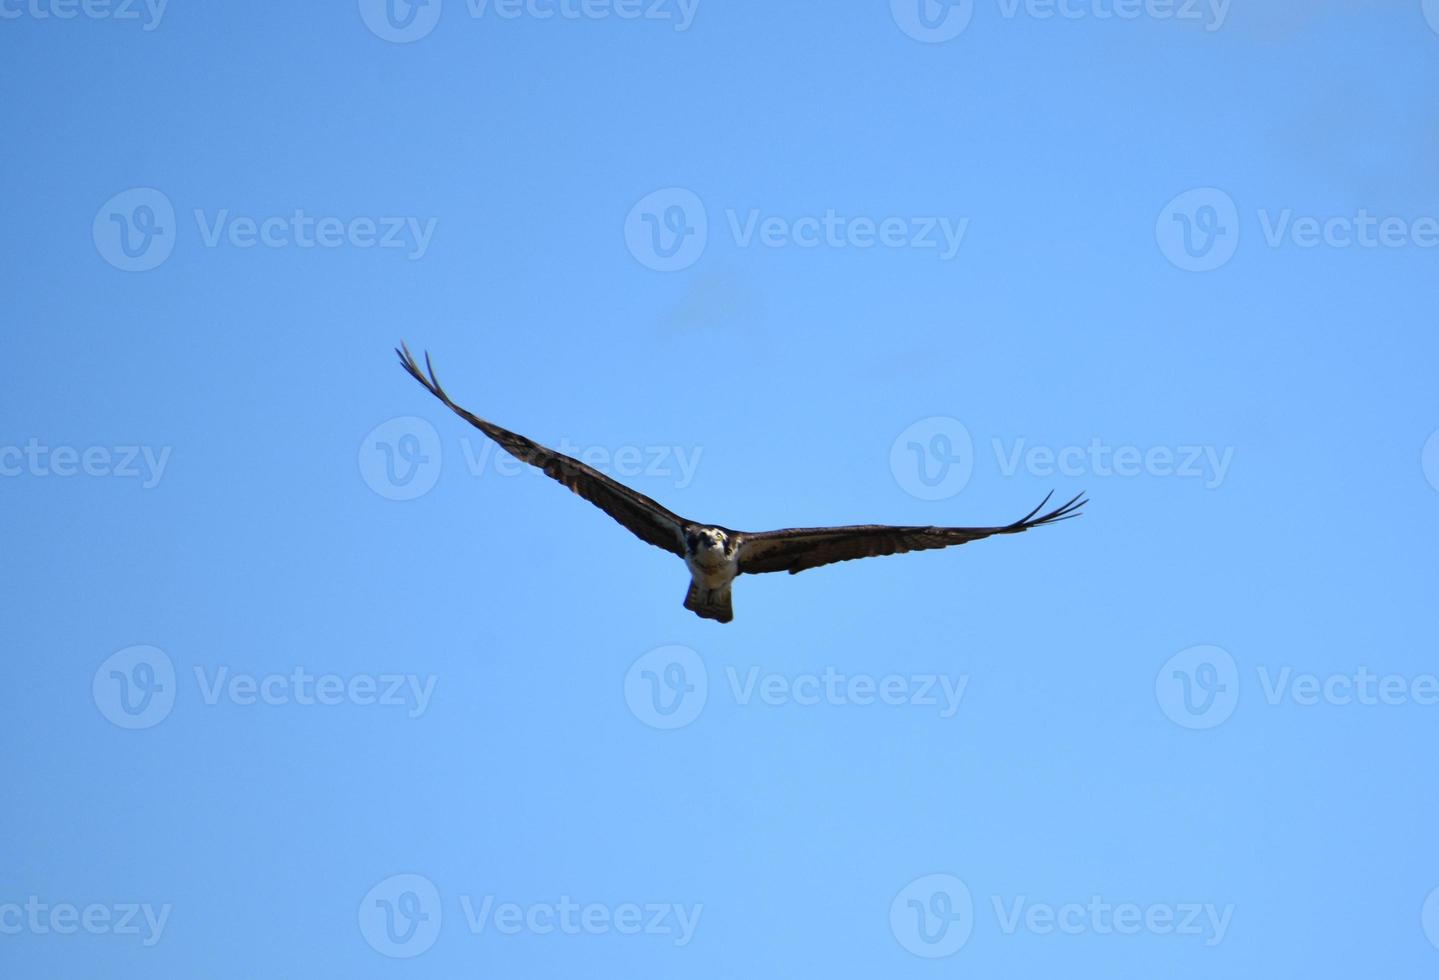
{"x": 1066, "y": 510}
{"x": 410, "y": 364}
{"x": 1030, "y": 516}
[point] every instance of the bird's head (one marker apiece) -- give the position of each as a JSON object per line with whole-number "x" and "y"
{"x": 709, "y": 545}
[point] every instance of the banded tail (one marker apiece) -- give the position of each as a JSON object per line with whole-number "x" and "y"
{"x": 710, "y": 603}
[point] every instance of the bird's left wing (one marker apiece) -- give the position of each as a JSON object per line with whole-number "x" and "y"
{"x": 796, "y": 549}
{"x": 643, "y": 517}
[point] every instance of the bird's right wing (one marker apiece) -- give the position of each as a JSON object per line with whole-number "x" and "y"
{"x": 796, "y": 549}
{"x": 643, "y": 517}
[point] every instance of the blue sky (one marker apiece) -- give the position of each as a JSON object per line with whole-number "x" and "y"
{"x": 307, "y": 681}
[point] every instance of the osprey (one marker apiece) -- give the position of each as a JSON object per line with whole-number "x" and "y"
{"x": 716, "y": 555}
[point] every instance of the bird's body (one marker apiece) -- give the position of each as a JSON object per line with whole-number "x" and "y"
{"x": 716, "y": 555}
{"x": 712, "y": 555}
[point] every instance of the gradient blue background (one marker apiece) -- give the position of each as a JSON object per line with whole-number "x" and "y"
{"x": 793, "y": 371}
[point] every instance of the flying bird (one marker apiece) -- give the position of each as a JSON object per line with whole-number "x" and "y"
{"x": 715, "y": 555}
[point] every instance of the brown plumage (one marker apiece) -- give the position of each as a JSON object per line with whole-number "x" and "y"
{"x": 716, "y": 554}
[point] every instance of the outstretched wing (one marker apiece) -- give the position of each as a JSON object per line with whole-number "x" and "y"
{"x": 796, "y": 549}
{"x": 646, "y": 519}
